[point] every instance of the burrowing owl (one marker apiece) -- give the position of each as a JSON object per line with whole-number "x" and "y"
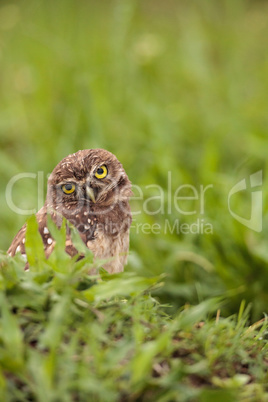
{"x": 91, "y": 190}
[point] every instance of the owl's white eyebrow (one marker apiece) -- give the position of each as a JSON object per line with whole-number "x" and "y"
{"x": 95, "y": 167}
{"x": 70, "y": 180}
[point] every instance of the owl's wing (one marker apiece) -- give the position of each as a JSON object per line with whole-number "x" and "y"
{"x": 18, "y": 243}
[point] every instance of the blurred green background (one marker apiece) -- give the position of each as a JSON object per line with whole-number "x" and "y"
{"x": 172, "y": 86}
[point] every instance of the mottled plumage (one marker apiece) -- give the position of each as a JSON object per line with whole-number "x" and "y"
{"x": 91, "y": 190}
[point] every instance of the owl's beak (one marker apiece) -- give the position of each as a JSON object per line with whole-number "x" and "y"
{"x": 90, "y": 193}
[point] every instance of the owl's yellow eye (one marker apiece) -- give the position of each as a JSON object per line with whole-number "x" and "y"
{"x": 68, "y": 188}
{"x": 101, "y": 172}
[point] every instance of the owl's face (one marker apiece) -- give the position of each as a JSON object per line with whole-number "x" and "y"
{"x": 93, "y": 179}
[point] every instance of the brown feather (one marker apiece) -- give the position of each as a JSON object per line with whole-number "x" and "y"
{"x": 103, "y": 225}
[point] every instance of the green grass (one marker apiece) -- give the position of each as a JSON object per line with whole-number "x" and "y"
{"x": 177, "y": 87}
{"x": 66, "y": 335}
{"x": 172, "y": 86}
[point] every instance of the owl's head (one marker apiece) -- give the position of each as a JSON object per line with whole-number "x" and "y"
{"x": 92, "y": 177}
